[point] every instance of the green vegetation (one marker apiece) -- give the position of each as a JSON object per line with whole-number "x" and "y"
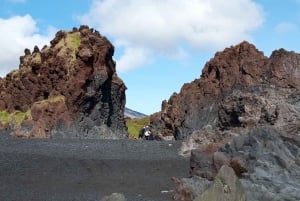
{"x": 5, "y": 117}
{"x": 19, "y": 117}
{"x": 68, "y": 46}
{"x": 53, "y": 99}
{"x": 135, "y": 125}
{"x": 15, "y": 118}
{"x": 75, "y": 40}
{"x": 71, "y": 40}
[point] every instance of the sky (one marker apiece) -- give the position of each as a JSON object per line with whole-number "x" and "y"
{"x": 159, "y": 44}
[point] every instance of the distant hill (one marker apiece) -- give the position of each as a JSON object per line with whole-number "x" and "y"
{"x": 133, "y": 114}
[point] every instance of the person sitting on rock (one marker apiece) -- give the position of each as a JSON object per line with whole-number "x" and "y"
{"x": 148, "y": 134}
{"x": 145, "y": 133}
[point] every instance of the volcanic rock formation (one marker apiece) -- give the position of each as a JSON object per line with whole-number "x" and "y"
{"x": 69, "y": 89}
{"x": 239, "y": 89}
{"x": 243, "y": 112}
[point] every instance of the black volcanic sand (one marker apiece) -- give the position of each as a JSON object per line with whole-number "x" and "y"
{"x": 88, "y": 170}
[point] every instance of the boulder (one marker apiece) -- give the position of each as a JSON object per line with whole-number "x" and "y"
{"x": 266, "y": 160}
{"x": 226, "y": 187}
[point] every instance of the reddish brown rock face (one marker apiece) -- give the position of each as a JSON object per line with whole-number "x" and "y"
{"x": 239, "y": 89}
{"x": 77, "y": 67}
{"x": 243, "y": 112}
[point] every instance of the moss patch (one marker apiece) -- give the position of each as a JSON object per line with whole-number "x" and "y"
{"x": 71, "y": 40}
{"x": 74, "y": 40}
{"x": 14, "y": 119}
{"x": 5, "y": 117}
{"x": 53, "y": 99}
{"x": 68, "y": 46}
{"x": 135, "y": 125}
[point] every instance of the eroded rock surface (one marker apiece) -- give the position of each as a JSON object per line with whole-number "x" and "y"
{"x": 226, "y": 187}
{"x": 244, "y": 113}
{"x": 265, "y": 159}
{"x": 239, "y": 89}
{"x": 69, "y": 89}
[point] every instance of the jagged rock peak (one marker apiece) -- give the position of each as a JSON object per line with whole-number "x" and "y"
{"x": 240, "y": 65}
{"x": 238, "y": 75}
{"x": 245, "y": 65}
{"x": 77, "y": 73}
{"x": 243, "y": 112}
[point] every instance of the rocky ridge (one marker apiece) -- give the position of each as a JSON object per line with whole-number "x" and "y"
{"x": 70, "y": 89}
{"x": 239, "y": 89}
{"x": 244, "y": 113}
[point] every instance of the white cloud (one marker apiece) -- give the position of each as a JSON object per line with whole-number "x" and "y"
{"x": 285, "y": 27}
{"x": 16, "y": 34}
{"x": 133, "y": 57}
{"x": 165, "y": 27}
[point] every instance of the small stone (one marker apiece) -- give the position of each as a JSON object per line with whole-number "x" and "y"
{"x": 114, "y": 197}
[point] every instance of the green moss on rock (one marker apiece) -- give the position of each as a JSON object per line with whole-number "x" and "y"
{"x": 71, "y": 41}
{"x": 53, "y": 99}
{"x": 5, "y": 117}
{"x": 14, "y": 119}
{"x": 74, "y": 40}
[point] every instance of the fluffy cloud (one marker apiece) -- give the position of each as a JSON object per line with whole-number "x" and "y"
{"x": 133, "y": 57}
{"x": 168, "y": 27}
{"x": 16, "y": 34}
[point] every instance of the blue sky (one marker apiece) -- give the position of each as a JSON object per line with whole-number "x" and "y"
{"x": 159, "y": 45}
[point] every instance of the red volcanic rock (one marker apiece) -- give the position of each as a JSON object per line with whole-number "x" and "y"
{"x": 243, "y": 112}
{"x": 44, "y": 115}
{"x": 284, "y": 69}
{"x": 239, "y": 89}
{"x": 69, "y": 89}
{"x": 241, "y": 65}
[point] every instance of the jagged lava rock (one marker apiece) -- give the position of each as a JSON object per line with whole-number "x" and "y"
{"x": 243, "y": 112}
{"x": 239, "y": 89}
{"x": 69, "y": 89}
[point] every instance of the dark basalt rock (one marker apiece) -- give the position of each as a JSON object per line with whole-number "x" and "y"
{"x": 69, "y": 89}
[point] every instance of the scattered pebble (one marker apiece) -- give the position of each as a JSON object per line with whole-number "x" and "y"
{"x": 166, "y": 191}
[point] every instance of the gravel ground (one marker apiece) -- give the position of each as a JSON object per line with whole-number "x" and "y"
{"x": 88, "y": 170}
